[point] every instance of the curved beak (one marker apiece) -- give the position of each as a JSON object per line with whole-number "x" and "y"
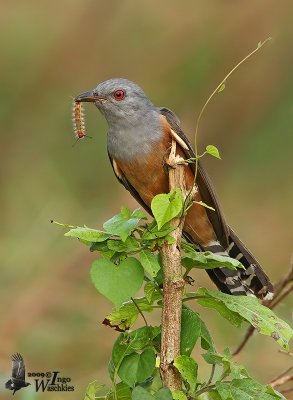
{"x": 90, "y": 97}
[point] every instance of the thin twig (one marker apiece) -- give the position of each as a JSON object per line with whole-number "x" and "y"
{"x": 283, "y": 378}
{"x": 212, "y": 375}
{"x": 63, "y": 225}
{"x": 282, "y": 381}
{"x": 247, "y": 336}
{"x": 281, "y": 297}
{"x": 286, "y": 352}
{"x": 275, "y": 382}
{"x": 223, "y": 81}
{"x": 139, "y": 310}
{"x": 287, "y": 278}
{"x": 204, "y": 389}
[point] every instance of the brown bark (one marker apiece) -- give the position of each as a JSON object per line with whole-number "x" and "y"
{"x": 173, "y": 284}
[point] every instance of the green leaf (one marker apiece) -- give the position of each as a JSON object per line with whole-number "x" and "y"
{"x": 245, "y": 389}
{"x": 188, "y": 247}
{"x": 156, "y": 331}
{"x": 124, "y": 223}
{"x": 140, "y": 393}
{"x": 130, "y": 245}
{"x": 151, "y": 292}
{"x": 153, "y": 232}
{"x": 88, "y": 234}
{"x": 188, "y": 370}
{"x": 159, "y": 278}
{"x": 226, "y": 361}
{"x": 99, "y": 246}
{"x": 208, "y": 260}
{"x": 222, "y": 261}
{"x": 156, "y": 384}
{"x": 123, "y": 392}
{"x": 190, "y": 330}
{"x": 222, "y": 87}
{"x": 163, "y": 394}
{"x": 128, "y": 343}
{"x": 178, "y": 395}
{"x": 126, "y": 316}
{"x": 233, "y": 317}
{"x": 193, "y": 327}
{"x": 259, "y": 316}
{"x": 274, "y": 393}
{"x": 92, "y": 390}
{"x": 169, "y": 239}
{"x": 149, "y": 262}
{"x": 136, "y": 368}
{"x": 117, "y": 282}
{"x": 206, "y": 339}
{"x": 165, "y": 207}
{"x": 213, "y": 151}
{"x": 213, "y": 395}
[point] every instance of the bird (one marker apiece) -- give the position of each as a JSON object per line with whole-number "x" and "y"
{"x": 139, "y": 139}
{"x": 17, "y": 380}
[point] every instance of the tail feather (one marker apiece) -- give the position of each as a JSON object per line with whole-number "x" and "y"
{"x": 252, "y": 281}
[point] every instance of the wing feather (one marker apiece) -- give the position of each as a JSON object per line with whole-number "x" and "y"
{"x": 204, "y": 184}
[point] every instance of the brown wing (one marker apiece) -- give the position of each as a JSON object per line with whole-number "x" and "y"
{"x": 205, "y": 187}
{"x": 122, "y": 179}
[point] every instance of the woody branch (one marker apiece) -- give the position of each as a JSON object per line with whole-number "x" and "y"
{"x": 173, "y": 283}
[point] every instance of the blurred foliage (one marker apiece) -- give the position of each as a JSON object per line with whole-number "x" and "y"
{"x": 178, "y": 52}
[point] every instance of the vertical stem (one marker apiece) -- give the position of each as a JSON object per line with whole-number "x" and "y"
{"x": 173, "y": 285}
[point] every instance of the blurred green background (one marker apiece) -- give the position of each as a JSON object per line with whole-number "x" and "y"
{"x": 178, "y": 52}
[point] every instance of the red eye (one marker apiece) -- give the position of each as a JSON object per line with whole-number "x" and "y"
{"x": 119, "y": 94}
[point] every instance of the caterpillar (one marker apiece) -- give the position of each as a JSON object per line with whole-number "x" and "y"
{"x": 78, "y": 120}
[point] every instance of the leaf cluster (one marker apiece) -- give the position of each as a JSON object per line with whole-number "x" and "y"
{"x": 130, "y": 261}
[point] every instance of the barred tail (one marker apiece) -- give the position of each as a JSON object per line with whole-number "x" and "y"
{"x": 250, "y": 282}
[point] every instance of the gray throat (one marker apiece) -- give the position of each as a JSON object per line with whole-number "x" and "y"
{"x": 129, "y": 139}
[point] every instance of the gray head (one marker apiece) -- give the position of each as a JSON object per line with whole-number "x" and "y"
{"x": 134, "y": 122}
{"x": 119, "y": 100}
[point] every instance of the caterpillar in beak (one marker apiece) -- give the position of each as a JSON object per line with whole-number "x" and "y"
{"x": 78, "y": 120}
